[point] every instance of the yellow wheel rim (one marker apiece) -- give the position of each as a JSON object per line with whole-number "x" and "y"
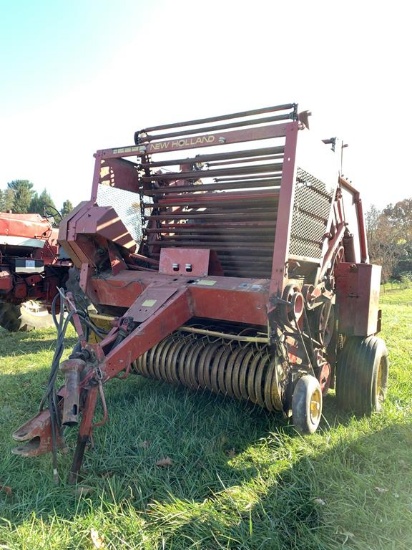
{"x": 316, "y": 406}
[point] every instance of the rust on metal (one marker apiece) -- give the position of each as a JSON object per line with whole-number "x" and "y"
{"x": 36, "y": 434}
{"x": 249, "y": 263}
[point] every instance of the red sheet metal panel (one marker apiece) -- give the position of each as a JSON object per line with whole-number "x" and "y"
{"x": 31, "y": 226}
{"x": 225, "y": 298}
{"x": 169, "y": 316}
{"x": 357, "y": 298}
{"x": 182, "y": 261}
{"x": 153, "y": 298}
{"x": 243, "y": 302}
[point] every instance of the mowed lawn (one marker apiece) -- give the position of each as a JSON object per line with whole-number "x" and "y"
{"x": 177, "y": 469}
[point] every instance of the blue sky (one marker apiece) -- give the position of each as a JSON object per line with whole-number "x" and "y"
{"x": 84, "y": 75}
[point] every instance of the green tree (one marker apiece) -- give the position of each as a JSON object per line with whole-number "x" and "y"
{"x": 399, "y": 217}
{"x": 389, "y": 235}
{"x": 7, "y": 200}
{"x": 66, "y": 208}
{"x": 23, "y": 194}
{"x": 372, "y": 219}
{"x": 42, "y": 204}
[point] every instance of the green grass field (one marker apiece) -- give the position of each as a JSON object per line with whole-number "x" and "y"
{"x": 176, "y": 469}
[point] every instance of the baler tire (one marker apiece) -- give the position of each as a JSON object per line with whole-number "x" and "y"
{"x": 8, "y": 318}
{"x": 362, "y": 375}
{"x": 307, "y": 404}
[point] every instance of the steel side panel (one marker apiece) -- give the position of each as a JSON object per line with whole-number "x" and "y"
{"x": 220, "y": 298}
{"x": 104, "y": 221}
{"x": 116, "y": 292}
{"x": 357, "y": 298}
{"x": 67, "y": 234}
{"x": 183, "y": 261}
{"x": 242, "y": 306}
{"x": 29, "y": 226}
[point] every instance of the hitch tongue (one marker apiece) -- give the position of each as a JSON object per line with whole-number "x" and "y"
{"x": 37, "y": 435}
{"x": 71, "y": 369}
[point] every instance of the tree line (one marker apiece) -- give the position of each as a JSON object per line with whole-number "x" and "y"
{"x": 389, "y": 233}
{"x": 19, "y": 197}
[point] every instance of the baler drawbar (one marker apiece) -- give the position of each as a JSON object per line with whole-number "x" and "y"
{"x": 242, "y": 268}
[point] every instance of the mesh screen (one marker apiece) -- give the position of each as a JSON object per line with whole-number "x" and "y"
{"x": 127, "y": 206}
{"x": 311, "y": 210}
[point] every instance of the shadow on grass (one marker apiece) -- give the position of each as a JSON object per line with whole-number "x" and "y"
{"x": 23, "y": 343}
{"x": 235, "y": 476}
{"x": 355, "y": 493}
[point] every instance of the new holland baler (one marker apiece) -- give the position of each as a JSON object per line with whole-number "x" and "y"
{"x": 242, "y": 268}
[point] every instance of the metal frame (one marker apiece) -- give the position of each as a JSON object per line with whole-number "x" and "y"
{"x": 161, "y": 286}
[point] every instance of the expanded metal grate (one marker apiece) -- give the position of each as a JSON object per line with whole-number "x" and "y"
{"x": 127, "y": 206}
{"x": 312, "y": 204}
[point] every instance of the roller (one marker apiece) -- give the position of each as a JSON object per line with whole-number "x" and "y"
{"x": 245, "y": 371}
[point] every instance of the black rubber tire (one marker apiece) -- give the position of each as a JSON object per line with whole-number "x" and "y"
{"x": 8, "y": 317}
{"x": 25, "y": 317}
{"x": 362, "y": 375}
{"x": 307, "y": 404}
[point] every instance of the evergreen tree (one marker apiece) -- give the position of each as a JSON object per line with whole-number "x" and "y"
{"x": 66, "y": 208}
{"x": 7, "y": 200}
{"x": 23, "y": 194}
{"x": 42, "y": 204}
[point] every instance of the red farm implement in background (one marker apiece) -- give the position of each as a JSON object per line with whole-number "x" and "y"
{"x": 246, "y": 273}
{"x": 32, "y": 266}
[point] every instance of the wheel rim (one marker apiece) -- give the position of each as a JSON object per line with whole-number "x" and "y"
{"x": 315, "y": 406}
